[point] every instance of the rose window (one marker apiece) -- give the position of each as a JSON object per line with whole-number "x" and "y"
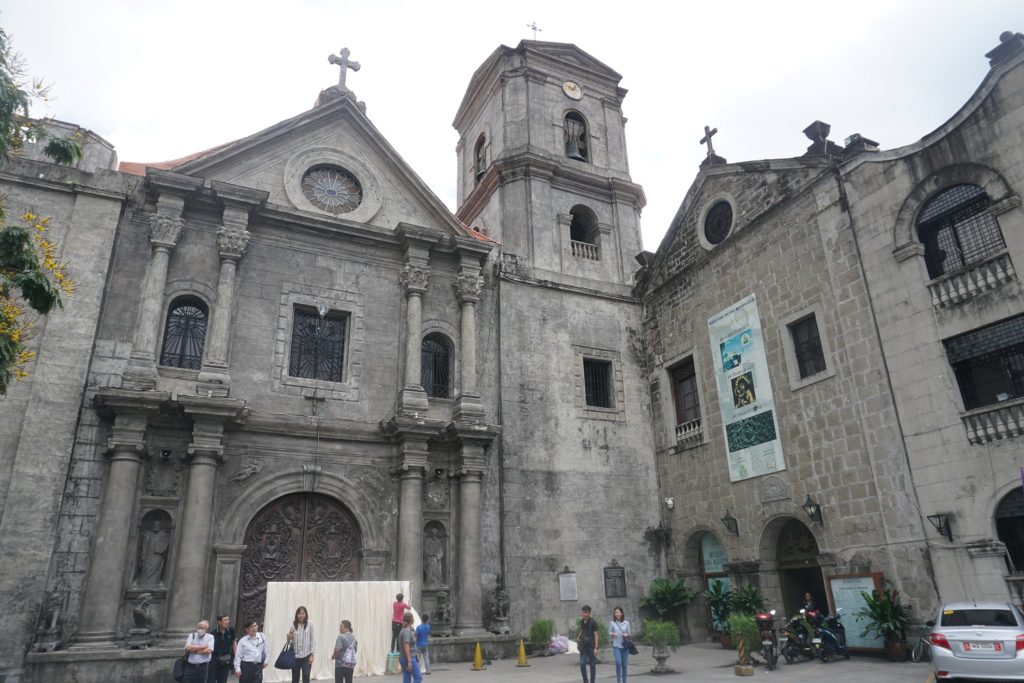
{"x": 332, "y": 189}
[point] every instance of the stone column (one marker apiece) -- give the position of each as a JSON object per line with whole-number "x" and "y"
{"x": 165, "y": 229}
{"x": 469, "y": 608}
{"x": 467, "y": 288}
{"x": 414, "y": 281}
{"x": 410, "y": 517}
{"x": 232, "y": 239}
{"x": 111, "y": 563}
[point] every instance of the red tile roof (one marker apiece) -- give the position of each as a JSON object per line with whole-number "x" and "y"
{"x": 139, "y": 168}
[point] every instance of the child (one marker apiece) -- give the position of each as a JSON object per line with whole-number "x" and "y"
{"x": 423, "y": 643}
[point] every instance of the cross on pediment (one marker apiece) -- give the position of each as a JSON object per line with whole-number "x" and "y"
{"x": 709, "y": 132}
{"x": 342, "y": 60}
{"x": 533, "y": 27}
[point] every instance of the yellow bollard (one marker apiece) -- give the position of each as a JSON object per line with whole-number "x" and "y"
{"x": 522, "y": 654}
{"x": 478, "y": 659}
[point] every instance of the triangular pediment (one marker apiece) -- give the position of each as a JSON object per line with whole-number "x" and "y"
{"x": 334, "y": 134}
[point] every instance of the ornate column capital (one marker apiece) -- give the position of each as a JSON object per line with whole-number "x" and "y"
{"x": 232, "y": 241}
{"x": 414, "y": 278}
{"x": 165, "y": 229}
{"x": 468, "y": 286}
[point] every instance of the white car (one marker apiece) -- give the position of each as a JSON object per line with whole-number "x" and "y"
{"x": 980, "y": 640}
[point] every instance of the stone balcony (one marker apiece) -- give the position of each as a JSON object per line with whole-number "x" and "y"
{"x": 690, "y": 434}
{"x": 978, "y": 278}
{"x": 585, "y": 250}
{"x": 1004, "y": 420}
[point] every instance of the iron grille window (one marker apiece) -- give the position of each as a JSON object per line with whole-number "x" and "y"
{"x": 318, "y": 345}
{"x": 810, "y": 358}
{"x": 957, "y": 230}
{"x": 989, "y": 363}
{"x": 684, "y": 392}
{"x": 184, "y": 334}
{"x": 435, "y": 366}
{"x": 597, "y": 380}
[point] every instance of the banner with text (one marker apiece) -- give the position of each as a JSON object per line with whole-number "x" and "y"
{"x": 745, "y": 392}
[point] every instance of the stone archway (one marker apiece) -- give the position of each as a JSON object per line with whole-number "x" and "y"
{"x": 298, "y": 537}
{"x": 799, "y": 570}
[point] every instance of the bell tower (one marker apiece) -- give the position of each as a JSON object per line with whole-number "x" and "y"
{"x": 542, "y": 162}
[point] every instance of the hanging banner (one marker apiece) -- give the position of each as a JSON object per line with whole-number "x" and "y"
{"x": 745, "y": 392}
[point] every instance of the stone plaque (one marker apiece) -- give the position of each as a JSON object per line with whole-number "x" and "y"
{"x": 614, "y": 581}
{"x": 567, "y": 586}
{"x": 774, "y": 487}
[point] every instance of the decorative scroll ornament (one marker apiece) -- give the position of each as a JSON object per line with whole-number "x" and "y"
{"x": 437, "y": 495}
{"x": 468, "y": 286}
{"x": 414, "y": 278}
{"x": 165, "y": 230}
{"x": 232, "y": 241}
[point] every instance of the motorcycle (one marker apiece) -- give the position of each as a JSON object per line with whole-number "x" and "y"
{"x": 769, "y": 641}
{"x": 830, "y": 637}
{"x": 796, "y": 638}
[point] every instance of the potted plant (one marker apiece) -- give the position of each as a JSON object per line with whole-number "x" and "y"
{"x": 662, "y": 636}
{"x": 719, "y": 599}
{"x": 886, "y": 618}
{"x": 743, "y": 630}
{"x": 541, "y": 631}
{"x": 747, "y": 600}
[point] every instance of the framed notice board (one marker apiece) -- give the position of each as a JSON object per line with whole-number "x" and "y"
{"x": 844, "y": 590}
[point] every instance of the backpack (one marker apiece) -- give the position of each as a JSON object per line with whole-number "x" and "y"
{"x": 348, "y": 659}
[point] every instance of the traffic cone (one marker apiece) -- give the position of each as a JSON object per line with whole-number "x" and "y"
{"x": 522, "y": 655}
{"x": 478, "y": 659}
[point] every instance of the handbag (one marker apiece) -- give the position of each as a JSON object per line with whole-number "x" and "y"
{"x": 630, "y": 645}
{"x": 286, "y": 660}
{"x": 178, "y": 669}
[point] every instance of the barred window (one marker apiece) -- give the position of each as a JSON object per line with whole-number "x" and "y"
{"x": 957, "y": 230}
{"x": 435, "y": 366}
{"x": 318, "y": 344}
{"x": 684, "y": 392}
{"x": 597, "y": 380}
{"x": 989, "y": 363}
{"x": 184, "y": 334}
{"x": 810, "y": 358}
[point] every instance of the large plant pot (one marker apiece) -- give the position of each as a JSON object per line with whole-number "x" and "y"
{"x": 726, "y": 640}
{"x": 660, "y": 654}
{"x": 896, "y": 650}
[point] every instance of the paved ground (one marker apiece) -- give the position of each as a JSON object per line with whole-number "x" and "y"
{"x": 706, "y": 662}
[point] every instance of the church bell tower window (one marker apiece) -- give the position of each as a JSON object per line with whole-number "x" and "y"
{"x": 576, "y": 142}
{"x": 480, "y": 158}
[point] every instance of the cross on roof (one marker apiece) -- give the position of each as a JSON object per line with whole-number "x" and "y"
{"x": 708, "y": 133}
{"x": 345, "y": 63}
{"x": 533, "y": 27}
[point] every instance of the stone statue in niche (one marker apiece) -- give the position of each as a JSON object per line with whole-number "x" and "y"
{"x": 141, "y": 637}
{"x": 154, "y": 543}
{"x": 498, "y": 602}
{"x": 433, "y": 557}
{"x": 48, "y": 633}
{"x": 442, "y": 617}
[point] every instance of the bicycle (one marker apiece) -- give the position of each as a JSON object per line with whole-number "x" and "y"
{"x": 922, "y": 650}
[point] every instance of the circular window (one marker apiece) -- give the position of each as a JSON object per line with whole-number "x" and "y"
{"x": 718, "y": 222}
{"x": 332, "y": 189}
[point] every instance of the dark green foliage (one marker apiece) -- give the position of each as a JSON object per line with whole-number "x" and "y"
{"x": 661, "y": 634}
{"x": 541, "y": 631}
{"x": 747, "y": 600}
{"x": 742, "y": 627}
{"x": 63, "y": 150}
{"x": 886, "y": 614}
{"x": 719, "y": 599}
{"x": 667, "y": 596}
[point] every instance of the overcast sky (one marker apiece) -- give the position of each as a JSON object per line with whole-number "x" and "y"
{"x": 163, "y": 80}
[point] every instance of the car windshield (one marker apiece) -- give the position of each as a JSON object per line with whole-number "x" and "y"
{"x": 977, "y": 617}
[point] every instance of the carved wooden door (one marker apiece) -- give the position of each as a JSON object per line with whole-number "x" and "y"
{"x": 300, "y": 537}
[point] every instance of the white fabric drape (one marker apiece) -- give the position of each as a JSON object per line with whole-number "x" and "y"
{"x": 367, "y": 604}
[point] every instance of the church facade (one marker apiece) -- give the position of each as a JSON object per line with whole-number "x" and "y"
{"x": 287, "y": 360}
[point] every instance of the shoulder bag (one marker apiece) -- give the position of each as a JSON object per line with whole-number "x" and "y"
{"x": 178, "y": 668}
{"x": 348, "y": 660}
{"x": 286, "y": 660}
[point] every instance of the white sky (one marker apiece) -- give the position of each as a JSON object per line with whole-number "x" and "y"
{"x": 163, "y": 80}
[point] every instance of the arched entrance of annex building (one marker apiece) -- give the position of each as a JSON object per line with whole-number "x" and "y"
{"x": 298, "y": 537}
{"x": 799, "y": 571}
{"x": 1010, "y": 528}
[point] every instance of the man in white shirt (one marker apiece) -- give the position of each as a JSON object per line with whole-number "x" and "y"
{"x": 251, "y": 656}
{"x": 199, "y": 647}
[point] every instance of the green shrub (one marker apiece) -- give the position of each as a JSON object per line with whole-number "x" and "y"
{"x": 743, "y": 626}
{"x": 667, "y": 596}
{"x": 541, "y": 631}
{"x": 661, "y": 634}
{"x": 747, "y": 600}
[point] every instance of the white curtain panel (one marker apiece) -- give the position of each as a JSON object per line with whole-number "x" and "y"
{"x": 367, "y": 604}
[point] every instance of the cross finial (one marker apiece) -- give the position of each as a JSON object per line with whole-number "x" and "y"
{"x": 345, "y": 63}
{"x": 533, "y": 27}
{"x": 708, "y": 134}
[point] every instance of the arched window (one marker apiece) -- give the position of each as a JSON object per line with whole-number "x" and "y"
{"x": 1010, "y": 528}
{"x": 957, "y": 230}
{"x": 436, "y": 366}
{"x": 480, "y": 158}
{"x": 576, "y": 139}
{"x": 185, "y": 334}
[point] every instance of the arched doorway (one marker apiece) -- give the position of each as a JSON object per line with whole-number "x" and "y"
{"x": 799, "y": 571}
{"x": 299, "y": 537}
{"x": 1010, "y": 528}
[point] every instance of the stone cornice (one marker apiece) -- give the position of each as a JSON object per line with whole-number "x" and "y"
{"x": 172, "y": 183}
{"x": 117, "y": 401}
{"x": 239, "y": 196}
{"x": 225, "y": 408}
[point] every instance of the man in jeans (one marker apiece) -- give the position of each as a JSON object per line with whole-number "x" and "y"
{"x": 587, "y": 640}
{"x": 223, "y": 650}
{"x": 409, "y": 655}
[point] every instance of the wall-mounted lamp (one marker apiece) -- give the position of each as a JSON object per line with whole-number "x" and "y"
{"x": 670, "y": 502}
{"x": 941, "y": 524}
{"x": 812, "y": 509}
{"x": 731, "y": 525}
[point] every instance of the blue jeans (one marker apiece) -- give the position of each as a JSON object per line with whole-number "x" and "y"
{"x": 588, "y": 657}
{"x": 621, "y": 657}
{"x": 413, "y": 676}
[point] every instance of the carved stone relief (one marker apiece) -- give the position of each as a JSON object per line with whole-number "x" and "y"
{"x": 774, "y": 487}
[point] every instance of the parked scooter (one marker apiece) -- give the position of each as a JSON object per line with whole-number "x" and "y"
{"x": 769, "y": 641}
{"x": 830, "y": 637}
{"x": 795, "y": 639}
